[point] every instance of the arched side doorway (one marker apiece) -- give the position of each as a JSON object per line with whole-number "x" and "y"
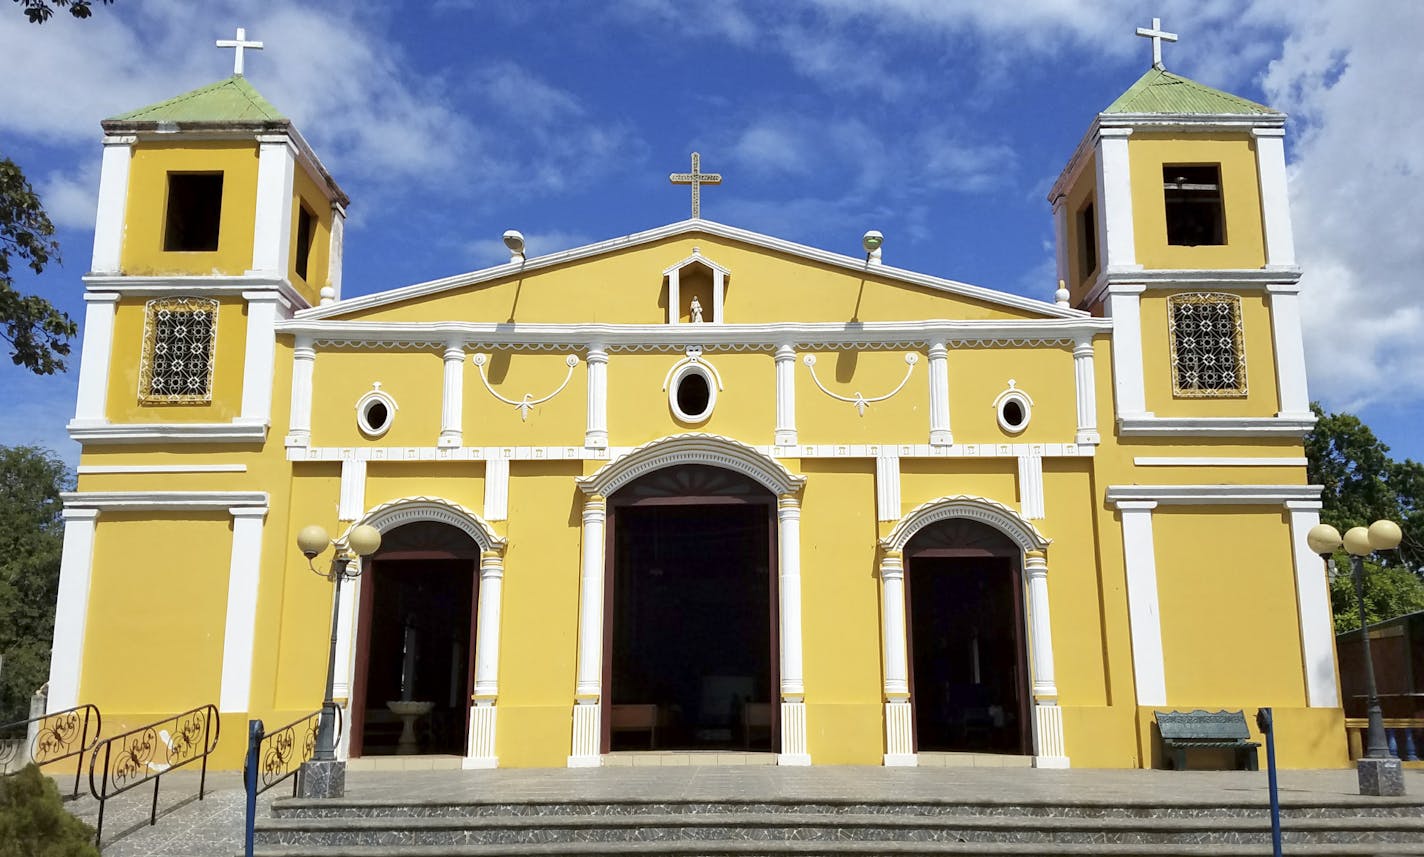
{"x": 424, "y": 628}
{"x": 967, "y": 642}
{"x": 709, "y": 471}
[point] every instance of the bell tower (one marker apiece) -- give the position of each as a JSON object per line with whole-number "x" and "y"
{"x": 215, "y": 219}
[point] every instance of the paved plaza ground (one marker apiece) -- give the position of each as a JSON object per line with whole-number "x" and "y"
{"x": 213, "y": 827}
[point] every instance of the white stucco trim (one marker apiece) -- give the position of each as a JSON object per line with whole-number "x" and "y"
{"x": 163, "y": 501}
{"x": 982, "y": 509}
{"x": 113, "y": 202}
{"x": 785, "y": 362}
{"x": 175, "y": 285}
{"x": 696, "y": 448}
{"x": 272, "y": 224}
{"x": 76, "y": 570}
{"x": 1124, "y": 307}
{"x": 497, "y": 489}
{"x": 1149, "y": 425}
{"x": 1085, "y": 391}
{"x": 134, "y": 433}
{"x": 263, "y": 310}
{"x": 1217, "y": 461}
{"x": 595, "y": 433}
{"x": 405, "y": 510}
{"x": 110, "y": 469}
{"x": 300, "y": 413}
{"x": 1030, "y": 479}
{"x": 1149, "y": 669}
{"x": 794, "y": 743}
{"x": 375, "y": 452}
{"x": 940, "y": 432}
{"x": 588, "y": 680}
{"x": 94, "y": 358}
{"x": 1176, "y": 279}
{"x": 1275, "y": 197}
{"x": 1114, "y": 210}
{"x": 336, "y": 249}
{"x": 1207, "y": 495}
{"x": 452, "y": 396}
{"x": 1291, "y": 382}
{"x": 239, "y": 632}
{"x": 353, "y": 490}
{"x": 887, "y": 486}
{"x": 1317, "y": 626}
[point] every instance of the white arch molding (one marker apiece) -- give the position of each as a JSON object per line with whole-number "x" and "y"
{"x": 386, "y": 517}
{"x": 1049, "y": 749}
{"x": 715, "y": 451}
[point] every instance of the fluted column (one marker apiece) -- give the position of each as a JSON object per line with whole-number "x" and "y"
{"x": 487, "y": 628}
{"x": 452, "y": 399}
{"x": 785, "y": 396}
{"x": 793, "y": 690}
{"x": 587, "y": 733}
{"x": 899, "y": 746}
{"x": 1050, "y": 751}
{"x": 940, "y": 434}
{"x": 303, "y": 367}
{"x": 1087, "y": 389}
{"x": 596, "y": 433}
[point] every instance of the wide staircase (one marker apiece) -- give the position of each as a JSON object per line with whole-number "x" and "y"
{"x": 361, "y": 827}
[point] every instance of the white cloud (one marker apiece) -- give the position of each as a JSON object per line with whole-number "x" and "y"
{"x": 70, "y": 198}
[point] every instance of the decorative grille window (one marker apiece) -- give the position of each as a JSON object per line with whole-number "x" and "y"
{"x": 179, "y": 341}
{"x": 1208, "y": 352}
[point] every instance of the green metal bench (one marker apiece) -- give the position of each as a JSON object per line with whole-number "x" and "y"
{"x": 1207, "y": 730}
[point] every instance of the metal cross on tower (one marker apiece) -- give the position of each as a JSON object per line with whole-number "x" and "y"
{"x": 239, "y": 45}
{"x": 696, "y": 178}
{"x": 1158, "y": 36}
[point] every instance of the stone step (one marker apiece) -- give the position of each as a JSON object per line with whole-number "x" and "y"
{"x": 772, "y": 827}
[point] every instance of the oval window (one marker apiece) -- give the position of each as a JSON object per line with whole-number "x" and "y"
{"x": 1014, "y": 412}
{"x": 692, "y": 394}
{"x": 378, "y": 416}
{"x": 375, "y": 412}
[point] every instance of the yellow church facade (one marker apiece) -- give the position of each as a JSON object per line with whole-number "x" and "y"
{"x": 700, "y": 489}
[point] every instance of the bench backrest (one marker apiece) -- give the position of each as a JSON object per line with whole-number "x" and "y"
{"x": 1205, "y": 725}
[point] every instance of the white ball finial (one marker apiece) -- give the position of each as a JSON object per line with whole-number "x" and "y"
{"x": 1061, "y": 296}
{"x": 328, "y": 295}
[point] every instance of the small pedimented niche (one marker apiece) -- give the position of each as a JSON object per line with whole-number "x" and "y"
{"x": 696, "y": 290}
{"x": 375, "y": 411}
{"x": 1014, "y": 409}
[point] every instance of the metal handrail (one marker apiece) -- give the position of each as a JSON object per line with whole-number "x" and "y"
{"x": 61, "y": 734}
{"x": 280, "y": 754}
{"x": 148, "y": 752}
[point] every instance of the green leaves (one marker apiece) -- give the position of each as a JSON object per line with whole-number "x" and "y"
{"x": 34, "y": 823}
{"x": 37, "y": 332}
{"x": 39, "y": 11}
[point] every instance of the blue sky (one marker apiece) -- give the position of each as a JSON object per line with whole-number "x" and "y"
{"x": 941, "y": 123}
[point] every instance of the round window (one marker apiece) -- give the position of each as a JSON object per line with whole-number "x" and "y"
{"x": 375, "y": 412}
{"x": 692, "y": 393}
{"x": 1014, "y": 412}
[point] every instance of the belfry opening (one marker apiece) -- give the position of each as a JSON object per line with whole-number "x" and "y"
{"x": 415, "y": 643}
{"x": 691, "y": 645}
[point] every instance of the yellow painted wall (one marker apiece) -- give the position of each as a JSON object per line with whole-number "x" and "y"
{"x": 461, "y": 482}
{"x": 143, "y": 252}
{"x": 307, "y": 191}
{"x": 903, "y": 418}
{"x": 1084, "y": 191}
{"x": 1262, "y": 398}
{"x": 977, "y": 377}
{"x": 1241, "y": 199}
{"x": 639, "y": 411}
{"x": 122, "y": 405}
{"x": 922, "y": 480}
{"x": 412, "y": 378}
{"x": 557, "y": 422}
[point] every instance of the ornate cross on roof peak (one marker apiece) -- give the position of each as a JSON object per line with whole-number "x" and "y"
{"x": 696, "y": 178}
{"x": 1158, "y": 36}
{"x": 239, "y": 45}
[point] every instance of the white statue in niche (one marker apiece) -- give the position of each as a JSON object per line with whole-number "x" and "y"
{"x": 696, "y": 310}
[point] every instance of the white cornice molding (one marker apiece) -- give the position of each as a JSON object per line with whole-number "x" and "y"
{"x": 111, "y": 469}
{"x": 695, "y": 448}
{"x": 164, "y": 501}
{"x": 759, "y": 336}
{"x": 1217, "y": 461}
{"x": 1242, "y": 279}
{"x": 981, "y": 509}
{"x": 130, "y": 433}
{"x": 686, "y": 227}
{"x": 1212, "y": 495}
{"x": 788, "y": 451}
{"x": 697, "y": 258}
{"x": 1214, "y": 426}
{"x": 223, "y": 284}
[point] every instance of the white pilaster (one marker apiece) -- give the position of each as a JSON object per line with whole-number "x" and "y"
{"x": 887, "y": 486}
{"x": 719, "y": 296}
{"x": 1115, "y": 200}
{"x": 337, "y": 250}
{"x": 452, "y": 399}
{"x": 480, "y": 754}
{"x": 1317, "y": 628}
{"x": 1275, "y": 198}
{"x": 1031, "y": 486}
{"x": 1040, "y": 626}
{"x": 303, "y": 366}
{"x": 1290, "y": 351}
{"x": 272, "y": 227}
{"x": 793, "y": 690}
{"x": 899, "y": 743}
{"x": 259, "y": 363}
{"x": 587, "y": 736}
{"x": 1087, "y": 390}
{"x": 113, "y": 201}
{"x": 785, "y": 395}
{"x": 95, "y": 356}
{"x": 940, "y": 434}
{"x": 483, "y": 709}
{"x": 239, "y": 634}
{"x": 596, "y": 433}
{"x": 345, "y": 651}
{"x": 1124, "y": 306}
{"x": 674, "y": 296}
{"x": 1060, "y": 236}
{"x": 353, "y": 489}
{"x": 76, "y": 568}
{"x": 1143, "y": 608}
{"x": 496, "y": 489}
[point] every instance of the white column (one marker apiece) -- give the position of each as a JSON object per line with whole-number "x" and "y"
{"x": 1275, "y": 199}
{"x": 1115, "y": 200}
{"x": 1317, "y": 628}
{"x": 244, "y": 575}
{"x": 674, "y": 297}
{"x": 259, "y": 364}
{"x": 345, "y": 635}
{"x": 587, "y": 734}
{"x": 272, "y": 226}
{"x": 335, "y": 254}
{"x": 452, "y": 399}
{"x": 719, "y": 296}
{"x": 1087, "y": 389}
{"x": 1143, "y": 609}
{"x": 1060, "y": 236}
{"x": 887, "y": 486}
{"x": 113, "y": 201}
{"x": 596, "y": 433}
{"x": 793, "y": 690}
{"x": 1050, "y": 749}
{"x": 482, "y": 711}
{"x": 1124, "y": 306}
{"x": 1290, "y": 351}
{"x": 352, "y": 504}
{"x": 303, "y": 365}
{"x": 71, "y": 609}
{"x": 940, "y": 434}
{"x": 496, "y": 489}
{"x": 1031, "y": 486}
{"x": 899, "y": 741}
{"x": 95, "y": 355}
{"x": 785, "y": 395}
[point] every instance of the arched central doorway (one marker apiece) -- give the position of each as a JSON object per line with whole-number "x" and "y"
{"x": 691, "y": 641}
{"x": 968, "y": 664}
{"x": 415, "y": 641}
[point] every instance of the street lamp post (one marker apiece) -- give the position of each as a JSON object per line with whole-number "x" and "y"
{"x": 1379, "y": 773}
{"x": 325, "y": 775}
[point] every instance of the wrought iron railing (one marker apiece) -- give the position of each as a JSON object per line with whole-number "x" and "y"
{"x": 129, "y": 760}
{"x": 53, "y": 738}
{"x": 276, "y": 756}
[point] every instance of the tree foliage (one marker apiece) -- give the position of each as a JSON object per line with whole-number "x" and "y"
{"x": 37, "y": 332}
{"x": 31, "y": 541}
{"x": 39, "y": 11}
{"x": 34, "y": 823}
{"x": 1363, "y": 484}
